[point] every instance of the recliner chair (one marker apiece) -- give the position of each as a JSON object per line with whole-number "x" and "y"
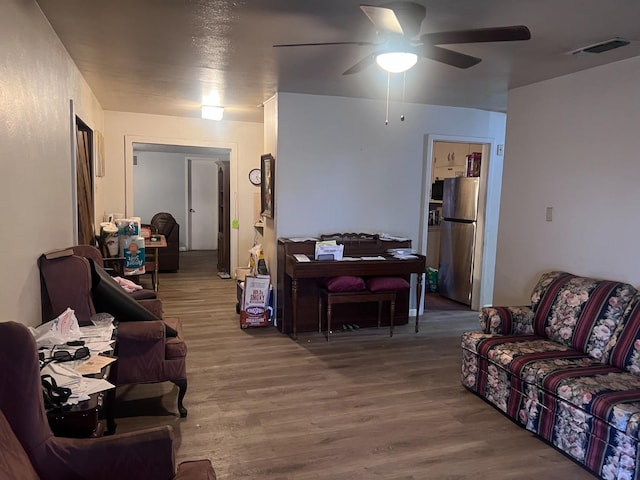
{"x": 31, "y": 451}
{"x": 169, "y": 257}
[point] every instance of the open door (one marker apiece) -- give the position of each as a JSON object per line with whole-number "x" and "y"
{"x": 84, "y": 183}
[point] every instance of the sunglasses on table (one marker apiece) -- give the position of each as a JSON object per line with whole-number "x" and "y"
{"x": 60, "y": 356}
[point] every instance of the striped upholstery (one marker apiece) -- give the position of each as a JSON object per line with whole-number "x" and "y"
{"x": 623, "y": 350}
{"x": 566, "y": 368}
{"x": 579, "y": 312}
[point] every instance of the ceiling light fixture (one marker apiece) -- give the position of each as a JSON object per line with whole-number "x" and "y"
{"x": 396, "y": 62}
{"x": 212, "y": 112}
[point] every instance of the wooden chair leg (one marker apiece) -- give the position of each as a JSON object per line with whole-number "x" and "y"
{"x": 182, "y": 390}
{"x": 328, "y": 319}
{"x": 379, "y": 313}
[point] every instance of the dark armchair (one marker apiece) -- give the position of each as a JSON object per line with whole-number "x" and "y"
{"x": 168, "y": 258}
{"x": 31, "y": 451}
{"x": 150, "y": 349}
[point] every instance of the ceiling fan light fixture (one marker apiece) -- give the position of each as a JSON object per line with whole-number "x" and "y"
{"x": 396, "y": 62}
{"x": 212, "y": 112}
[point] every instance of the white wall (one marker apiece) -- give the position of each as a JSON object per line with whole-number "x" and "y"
{"x": 37, "y": 82}
{"x": 339, "y": 168}
{"x": 572, "y": 144}
{"x": 159, "y": 186}
{"x": 244, "y": 139}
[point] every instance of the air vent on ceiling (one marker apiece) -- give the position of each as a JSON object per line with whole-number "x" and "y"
{"x": 602, "y": 47}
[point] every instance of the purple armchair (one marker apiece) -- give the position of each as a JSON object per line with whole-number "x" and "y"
{"x": 150, "y": 349}
{"x": 31, "y": 451}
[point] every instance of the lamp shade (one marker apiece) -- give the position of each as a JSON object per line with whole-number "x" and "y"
{"x": 396, "y": 62}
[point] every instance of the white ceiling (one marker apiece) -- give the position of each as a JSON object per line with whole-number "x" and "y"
{"x": 162, "y": 56}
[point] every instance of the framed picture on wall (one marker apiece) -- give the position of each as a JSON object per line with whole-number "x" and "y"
{"x": 267, "y": 163}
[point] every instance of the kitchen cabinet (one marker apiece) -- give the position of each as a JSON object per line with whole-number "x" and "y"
{"x": 450, "y": 159}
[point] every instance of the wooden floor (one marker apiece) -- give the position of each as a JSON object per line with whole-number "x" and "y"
{"x": 363, "y": 406}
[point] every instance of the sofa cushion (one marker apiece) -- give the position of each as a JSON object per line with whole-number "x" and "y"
{"x": 507, "y": 367}
{"x": 579, "y": 312}
{"x": 381, "y": 284}
{"x": 14, "y": 462}
{"x": 344, "y": 283}
{"x": 623, "y": 350}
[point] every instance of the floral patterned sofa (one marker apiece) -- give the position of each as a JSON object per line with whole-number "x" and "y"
{"x": 567, "y": 368}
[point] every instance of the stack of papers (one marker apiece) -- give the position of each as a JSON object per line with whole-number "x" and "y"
{"x": 97, "y": 339}
{"x": 402, "y": 253}
{"x": 390, "y": 238}
{"x": 81, "y": 387}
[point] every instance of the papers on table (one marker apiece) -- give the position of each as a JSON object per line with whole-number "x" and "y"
{"x": 302, "y": 239}
{"x": 329, "y": 250}
{"x": 98, "y": 339}
{"x": 377, "y": 257}
{"x": 391, "y": 238}
{"x": 81, "y": 387}
{"x": 93, "y": 365}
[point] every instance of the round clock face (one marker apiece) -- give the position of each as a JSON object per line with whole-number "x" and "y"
{"x": 255, "y": 176}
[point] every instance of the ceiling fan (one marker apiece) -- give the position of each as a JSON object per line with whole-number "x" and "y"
{"x": 400, "y": 23}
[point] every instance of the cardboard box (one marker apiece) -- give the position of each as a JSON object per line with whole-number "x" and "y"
{"x": 242, "y": 272}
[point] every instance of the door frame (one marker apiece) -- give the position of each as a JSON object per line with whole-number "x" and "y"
{"x": 129, "y": 140}
{"x": 488, "y": 213}
{"x": 74, "y": 119}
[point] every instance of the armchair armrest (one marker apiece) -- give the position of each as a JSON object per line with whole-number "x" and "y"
{"x": 142, "y": 331}
{"x": 195, "y": 470}
{"x": 507, "y": 320}
{"x": 154, "y": 305}
{"x": 143, "y": 454}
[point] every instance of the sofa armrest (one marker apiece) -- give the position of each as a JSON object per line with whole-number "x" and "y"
{"x": 507, "y": 320}
{"x": 149, "y": 453}
{"x": 195, "y": 470}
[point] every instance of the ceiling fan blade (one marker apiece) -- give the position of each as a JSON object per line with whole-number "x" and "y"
{"x": 366, "y": 62}
{"x": 324, "y": 43}
{"x": 444, "y": 55}
{"x": 493, "y": 34}
{"x": 383, "y": 18}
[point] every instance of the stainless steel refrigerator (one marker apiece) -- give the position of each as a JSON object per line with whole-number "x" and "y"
{"x": 458, "y": 237}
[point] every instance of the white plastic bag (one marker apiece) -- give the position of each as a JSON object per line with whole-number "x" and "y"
{"x": 58, "y": 331}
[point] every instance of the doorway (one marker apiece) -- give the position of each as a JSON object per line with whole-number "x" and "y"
{"x": 84, "y": 183}
{"x": 161, "y": 182}
{"x": 188, "y": 148}
{"x": 488, "y": 209}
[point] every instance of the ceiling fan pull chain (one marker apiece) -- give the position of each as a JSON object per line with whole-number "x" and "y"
{"x": 404, "y": 84}
{"x": 386, "y": 118}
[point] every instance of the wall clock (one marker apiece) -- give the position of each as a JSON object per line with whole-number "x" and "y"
{"x": 255, "y": 176}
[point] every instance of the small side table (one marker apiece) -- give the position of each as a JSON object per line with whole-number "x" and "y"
{"x": 155, "y": 242}
{"x": 83, "y": 419}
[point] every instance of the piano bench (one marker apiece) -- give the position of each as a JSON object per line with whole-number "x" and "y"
{"x": 360, "y": 296}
